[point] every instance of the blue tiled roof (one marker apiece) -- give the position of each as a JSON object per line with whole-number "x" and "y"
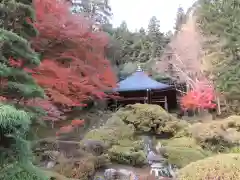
{"x": 139, "y": 81}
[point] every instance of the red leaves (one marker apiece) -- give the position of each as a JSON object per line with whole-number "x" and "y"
{"x": 77, "y": 122}
{"x": 64, "y": 130}
{"x": 53, "y": 114}
{"x": 74, "y": 67}
{"x": 67, "y": 129}
{"x": 15, "y": 63}
{"x": 201, "y": 97}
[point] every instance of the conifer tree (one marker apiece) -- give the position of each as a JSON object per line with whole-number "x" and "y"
{"x": 156, "y": 37}
{"x": 180, "y": 19}
{"x": 219, "y": 21}
{"x": 15, "y": 31}
{"x": 16, "y": 85}
{"x": 98, "y": 11}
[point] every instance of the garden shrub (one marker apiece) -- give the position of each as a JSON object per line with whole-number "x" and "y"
{"x": 137, "y": 144}
{"x": 181, "y": 156}
{"x": 218, "y": 136}
{"x": 82, "y": 168}
{"x": 187, "y": 142}
{"x": 234, "y": 149}
{"x": 150, "y": 118}
{"x": 222, "y": 166}
{"x": 127, "y": 155}
{"x": 110, "y": 134}
{"x": 120, "y": 137}
{"x": 15, "y": 149}
{"x": 21, "y": 173}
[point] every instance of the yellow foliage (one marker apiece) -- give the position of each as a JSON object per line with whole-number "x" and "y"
{"x": 222, "y": 166}
{"x": 150, "y": 118}
{"x": 187, "y": 142}
{"x": 218, "y": 135}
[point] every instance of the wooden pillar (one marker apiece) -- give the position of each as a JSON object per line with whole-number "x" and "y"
{"x": 148, "y": 98}
{"x": 165, "y": 103}
{"x": 218, "y": 106}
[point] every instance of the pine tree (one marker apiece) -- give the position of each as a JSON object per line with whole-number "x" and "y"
{"x": 219, "y": 21}
{"x": 16, "y": 85}
{"x": 99, "y": 11}
{"x": 15, "y": 31}
{"x": 142, "y": 31}
{"x": 180, "y": 20}
{"x": 156, "y": 37}
{"x": 153, "y": 26}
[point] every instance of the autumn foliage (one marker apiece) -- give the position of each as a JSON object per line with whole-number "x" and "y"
{"x": 73, "y": 66}
{"x": 202, "y": 96}
{"x": 69, "y": 128}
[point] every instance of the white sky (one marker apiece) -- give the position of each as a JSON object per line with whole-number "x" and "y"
{"x": 138, "y": 12}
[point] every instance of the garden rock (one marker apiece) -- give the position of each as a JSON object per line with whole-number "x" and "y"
{"x": 124, "y": 174}
{"x": 153, "y": 158}
{"x": 110, "y": 174}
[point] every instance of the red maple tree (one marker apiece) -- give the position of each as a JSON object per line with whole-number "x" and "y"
{"x": 182, "y": 61}
{"x": 73, "y": 66}
{"x": 202, "y": 96}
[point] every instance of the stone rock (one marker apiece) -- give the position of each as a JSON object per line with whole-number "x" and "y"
{"x": 121, "y": 174}
{"x": 158, "y": 146}
{"x": 153, "y": 157}
{"x": 50, "y": 164}
{"x": 110, "y": 174}
{"x": 124, "y": 174}
{"x": 160, "y": 170}
{"x": 148, "y": 144}
{"x": 50, "y": 155}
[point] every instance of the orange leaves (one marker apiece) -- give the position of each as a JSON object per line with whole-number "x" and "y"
{"x": 74, "y": 67}
{"x": 201, "y": 97}
{"x": 65, "y": 130}
{"x": 77, "y": 122}
{"x": 53, "y": 113}
{"x": 69, "y": 128}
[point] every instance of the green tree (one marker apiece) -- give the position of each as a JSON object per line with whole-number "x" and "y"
{"x": 142, "y": 31}
{"x": 123, "y": 27}
{"x": 153, "y": 27}
{"x": 220, "y": 22}
{"x": 99, "y": 11}
{"x": 16, "y": 85}
{"x": 180, "y": 19}
{"x": 15, "y": 32}
{"x": 156, "y": 37}
{"x": 131, "y": 48}
{"x": 169, "y": 35}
